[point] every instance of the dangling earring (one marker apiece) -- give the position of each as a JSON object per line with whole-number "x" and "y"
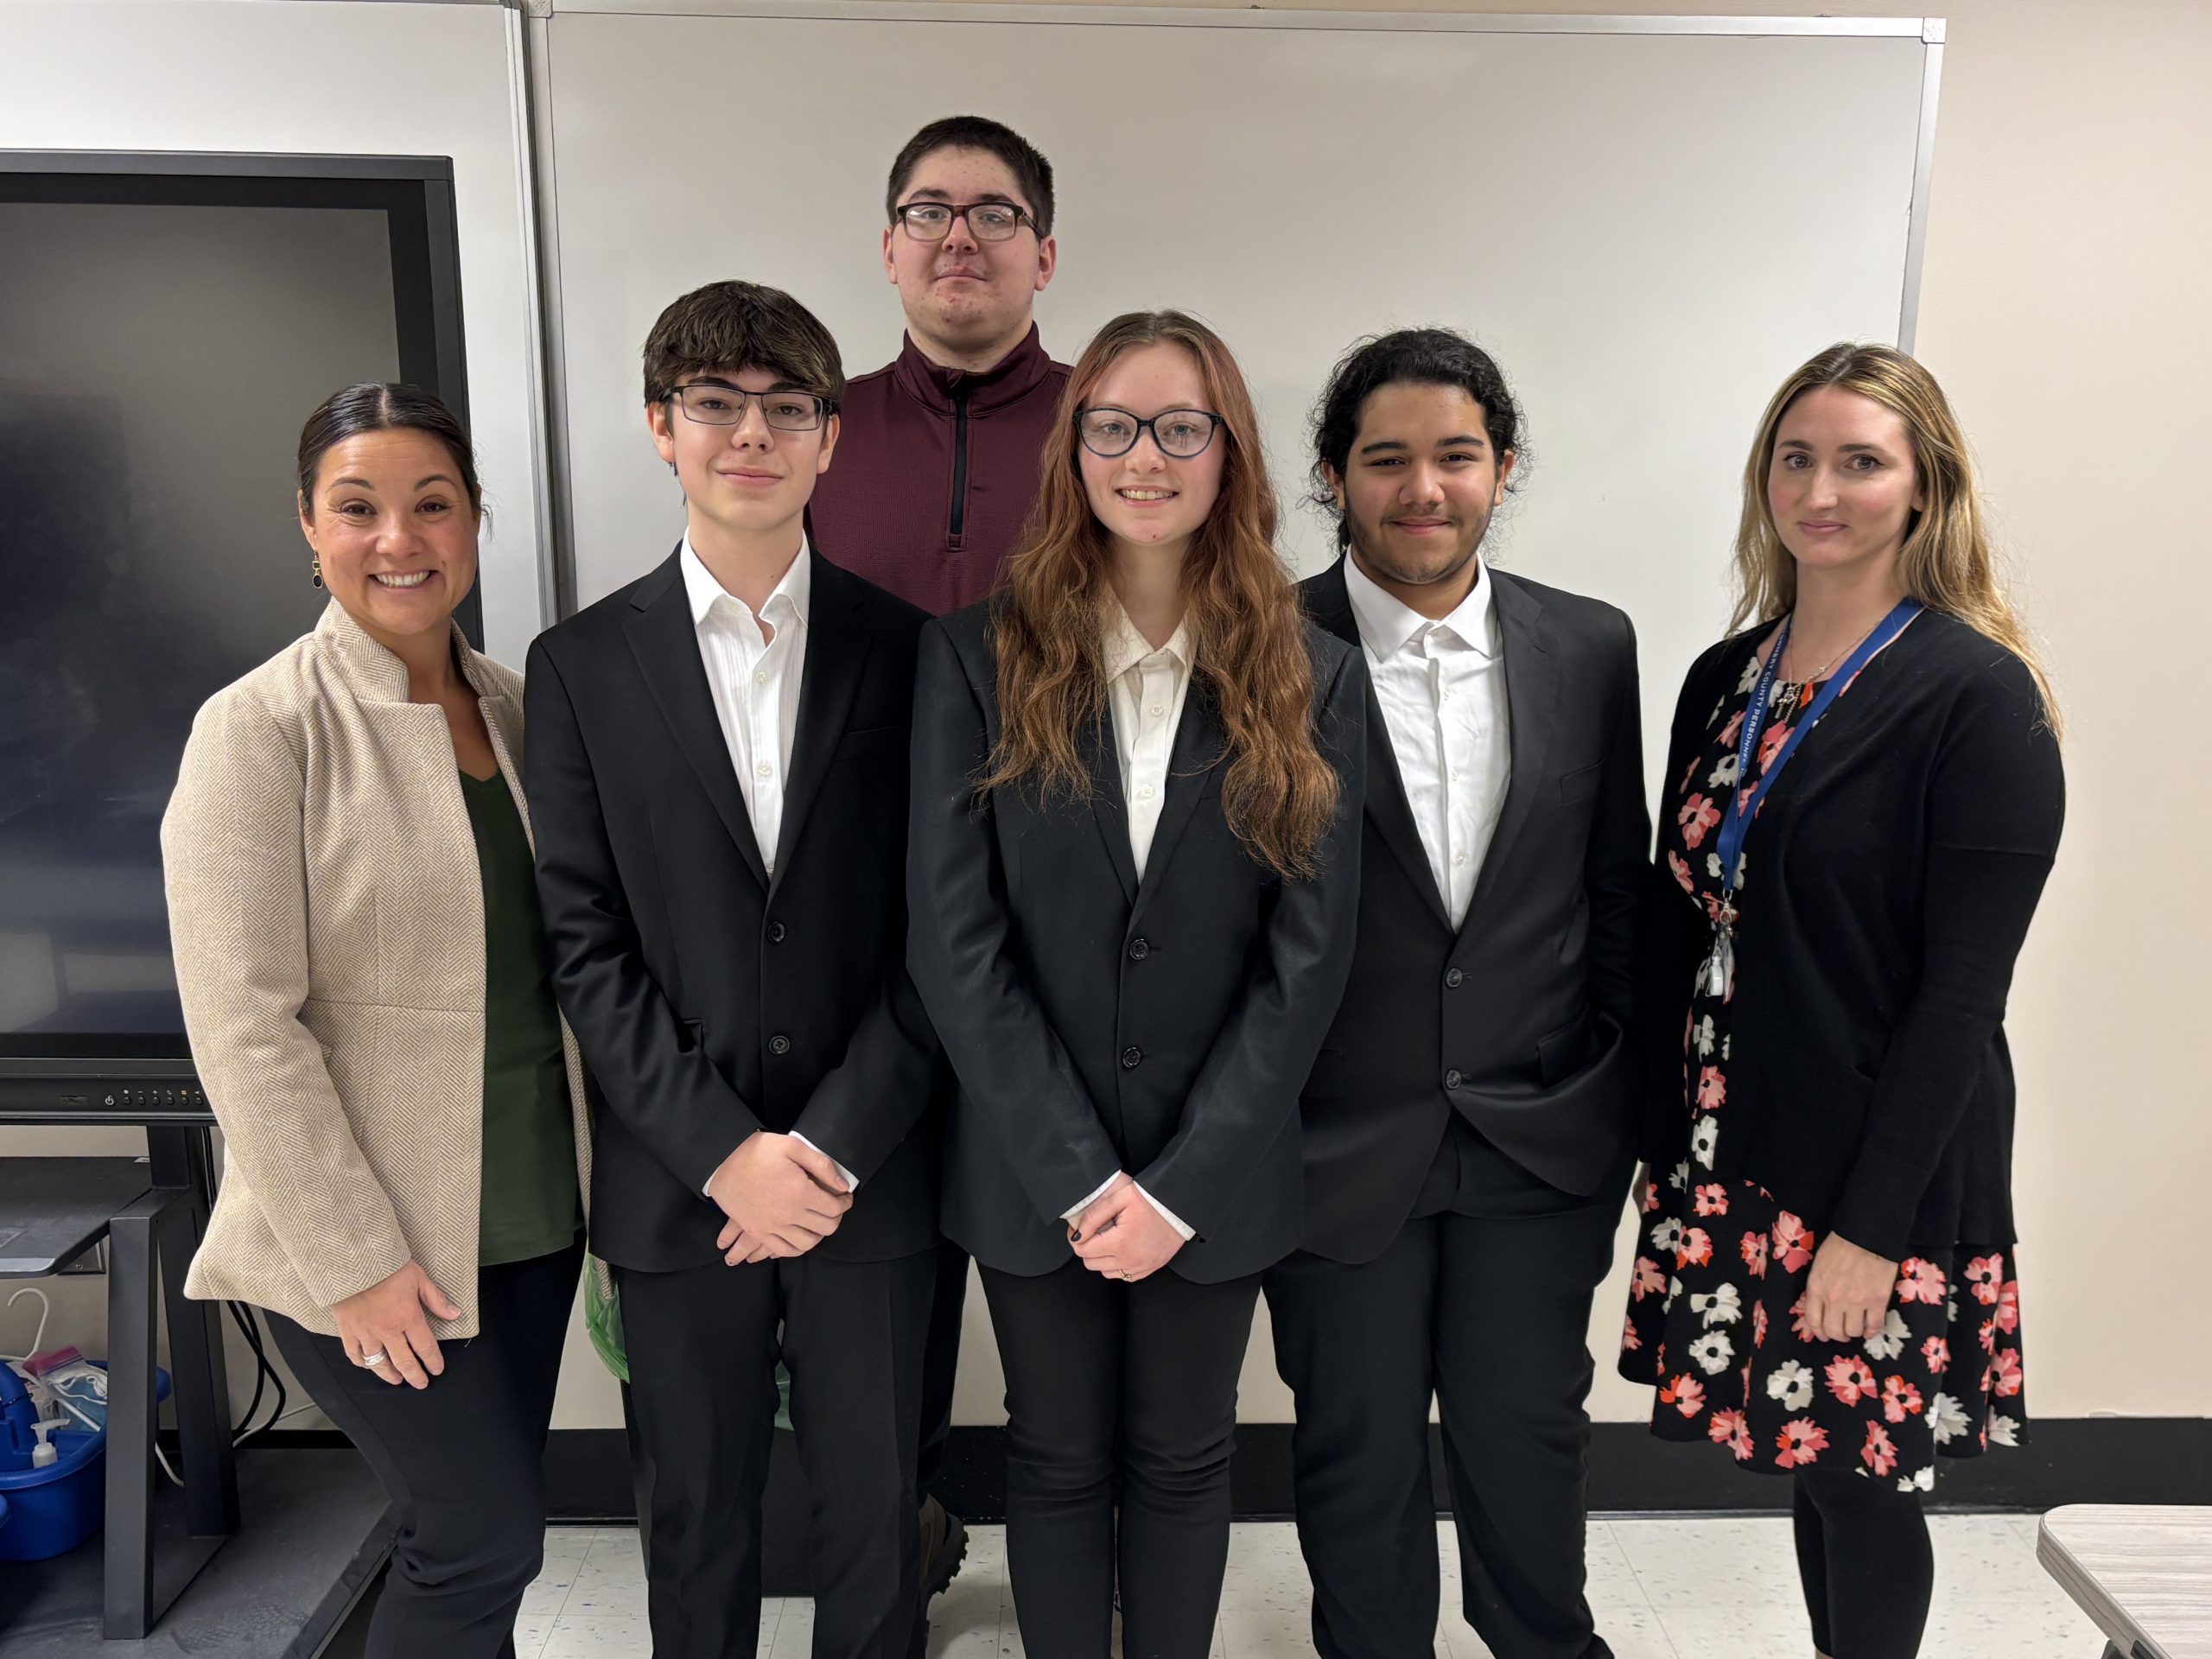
{"x": 671, "y": 470}
{"x": 314, "y": 569}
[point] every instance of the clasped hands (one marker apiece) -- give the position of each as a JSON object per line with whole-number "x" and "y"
{"x": 781, "y": 1197}
{"x": 1120, "y": 1235}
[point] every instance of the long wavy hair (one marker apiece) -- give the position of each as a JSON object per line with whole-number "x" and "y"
{"x": 1946, "y": 561}
{"x": 1242, "y": 611}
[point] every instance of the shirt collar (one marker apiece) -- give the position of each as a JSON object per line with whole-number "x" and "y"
{"x": 1125, "y": 648}
{"x": 1388, "y": 625}
{"x": 797, "y": 585}
{"x": 1014, "y": 376}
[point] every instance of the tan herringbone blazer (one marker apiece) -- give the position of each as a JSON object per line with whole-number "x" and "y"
{"x": 327, "y": 919}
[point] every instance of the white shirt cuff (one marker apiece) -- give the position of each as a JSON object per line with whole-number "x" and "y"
{"x": 1186, "y": 1233}
{"x": 1096, "y": 1193}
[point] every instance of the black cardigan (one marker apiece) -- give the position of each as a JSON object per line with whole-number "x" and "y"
{"x": 1894, "y": 871}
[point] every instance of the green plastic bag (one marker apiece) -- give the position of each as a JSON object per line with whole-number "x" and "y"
{"x": 603, "y": 1319}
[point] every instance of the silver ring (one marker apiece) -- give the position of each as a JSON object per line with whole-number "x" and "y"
{"x": 370, "y": 1362}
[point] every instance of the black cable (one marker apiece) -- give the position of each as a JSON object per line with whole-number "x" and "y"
{"x": 260, "y": 1374}
{"x": 265, "y": 1375}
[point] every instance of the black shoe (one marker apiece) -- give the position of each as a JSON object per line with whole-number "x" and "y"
{"x": 944, "y": 1545}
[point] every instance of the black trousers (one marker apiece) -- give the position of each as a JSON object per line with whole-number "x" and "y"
{"x": 1483, "y": 1299}
{"x": 1863, "y": 1558}
{"x": 463, "y": 1461}
{"x": 704, "y": 1344}
{"x": 941, "y": 1363}
{"x": 1108, "y": 1380}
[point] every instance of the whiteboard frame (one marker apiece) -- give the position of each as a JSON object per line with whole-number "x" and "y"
{"x": 532, "y": 39}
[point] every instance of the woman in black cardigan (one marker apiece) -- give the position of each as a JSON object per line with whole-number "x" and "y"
{"x": 1137, "y": 779}
{"x": 1824, "y": 1282}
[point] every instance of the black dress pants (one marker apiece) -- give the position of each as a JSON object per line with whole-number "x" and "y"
{"x": 463, "y": 1461}
{"x": 704, "y": 1344}
{"x": 1106, "y": 1379}
{"x": 1483, "y": 1300}
{"x": 941, "y": 1363}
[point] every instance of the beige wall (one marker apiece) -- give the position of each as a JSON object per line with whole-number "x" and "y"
{"x": 2065, "y": 309}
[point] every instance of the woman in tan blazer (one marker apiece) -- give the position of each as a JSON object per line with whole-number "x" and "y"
{"x": 365, "y": 983}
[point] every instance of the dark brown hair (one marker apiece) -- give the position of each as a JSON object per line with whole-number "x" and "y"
{"x": 1246, "y": 629}
{"x": 1421, "y": 357}
{"x": 1033, "y": 173}
{"x": 732, "y": 325}
{"x": 376, "y": 406}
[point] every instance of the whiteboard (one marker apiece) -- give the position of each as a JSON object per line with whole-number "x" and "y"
{"x": 1649, "y": 224}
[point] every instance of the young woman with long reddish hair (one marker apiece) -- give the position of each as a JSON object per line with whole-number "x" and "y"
{"x": 1137, "y": 780}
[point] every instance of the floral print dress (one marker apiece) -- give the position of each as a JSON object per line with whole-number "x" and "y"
{"x": 1715, "y": 1310}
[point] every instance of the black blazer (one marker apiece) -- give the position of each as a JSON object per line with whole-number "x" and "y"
{"x": 1098, "y": 1023}
{"x": 1897, "y": 866}
{"x": 710, "y": 1001}
{"x": 1521, "y": 1018}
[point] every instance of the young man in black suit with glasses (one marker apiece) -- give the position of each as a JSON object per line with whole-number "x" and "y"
{"x": 716, "y": 771}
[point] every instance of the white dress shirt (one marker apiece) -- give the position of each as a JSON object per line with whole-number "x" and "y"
{"x": 1145, "y": 689}
{"x": 1441, "y": 688}
{"x": 1145, "y": 692}
{"x": 755, "y": 682}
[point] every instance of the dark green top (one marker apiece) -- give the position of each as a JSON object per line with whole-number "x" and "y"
{"x": 530, "y": 1204}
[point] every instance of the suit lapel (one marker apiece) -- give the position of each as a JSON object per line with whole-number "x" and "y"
{"x": 1108, "y": 811}
{"x": 838, "y": 639}
{"x": 666, "y": 645}
{"x": 1386, "y": 787}
{"x": 1532, "y": 688}
{"x": 1194, "y": 765}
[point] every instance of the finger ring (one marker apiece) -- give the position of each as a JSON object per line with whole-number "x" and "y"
{"x": 370, "y": 1362}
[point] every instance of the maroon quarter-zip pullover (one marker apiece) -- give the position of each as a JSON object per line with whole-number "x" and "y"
{"x": 935, "y": 473}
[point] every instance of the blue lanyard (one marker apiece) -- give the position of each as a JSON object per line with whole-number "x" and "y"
{"x": 1737, "y": 819}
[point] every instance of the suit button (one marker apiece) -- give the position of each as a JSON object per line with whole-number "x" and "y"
{"x": 1452, "y": 977}
{"x": 776, "y": 934}
{"x": 1139, "y": 948}
{"x": 1452, "y": 1079}
{"x": 1130, "y": 1057}
{"x": 780, "y": 1044}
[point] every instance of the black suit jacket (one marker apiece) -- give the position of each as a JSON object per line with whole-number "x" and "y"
{"x": 709, "y": 1000}
{"x": 1100, "y": 1023}
{"x": 1520, "y": 1017}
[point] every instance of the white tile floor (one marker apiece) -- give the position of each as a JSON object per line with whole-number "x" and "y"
{"x": 1721, "y": 1588}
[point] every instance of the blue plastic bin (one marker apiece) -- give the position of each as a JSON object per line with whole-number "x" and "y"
{"x": 50, "y": 1511}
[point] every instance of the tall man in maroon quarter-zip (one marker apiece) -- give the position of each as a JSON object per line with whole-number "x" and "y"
{"x": 937, "y": 469}
{"x": 938, "y": 463}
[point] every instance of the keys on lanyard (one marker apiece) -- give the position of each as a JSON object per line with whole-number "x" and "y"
{"x": 1717, "y": 974}
{"x": 1719, "y": 969}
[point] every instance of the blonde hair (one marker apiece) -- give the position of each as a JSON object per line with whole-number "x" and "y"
{"x": 1945, "y": 562}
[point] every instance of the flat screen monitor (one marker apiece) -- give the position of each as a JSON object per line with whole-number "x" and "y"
{"x": 167, "y": 322}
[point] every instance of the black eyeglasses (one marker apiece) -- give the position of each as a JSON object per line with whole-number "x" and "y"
{"x": 1181, "y": 433}
{"x": 988, "y": 221}
{"x": 712, "y": 405}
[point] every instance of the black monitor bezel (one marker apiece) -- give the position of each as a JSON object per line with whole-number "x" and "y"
{"x": 417, "y": 194}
